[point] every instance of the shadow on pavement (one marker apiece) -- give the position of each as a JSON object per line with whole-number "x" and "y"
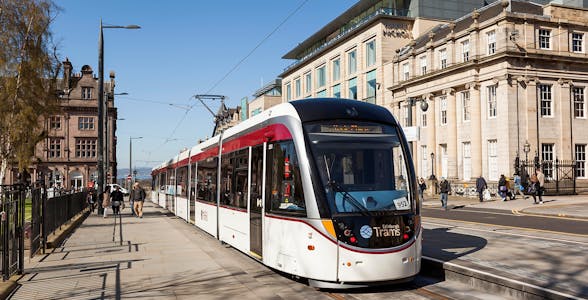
{"x": 442, "y": 244}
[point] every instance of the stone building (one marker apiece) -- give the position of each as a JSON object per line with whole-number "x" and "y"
{"x": 69, "y": 154}
{"x": 267, "y": 96}
{"x": 511, "y": 74}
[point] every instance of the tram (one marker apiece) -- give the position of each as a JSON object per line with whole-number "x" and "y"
{"x": 322, "y": 189}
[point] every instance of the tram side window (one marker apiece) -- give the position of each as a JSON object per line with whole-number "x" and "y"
{"x": 284, "y": 193}
{"x": 256, "y": 177}
{"x": 234, "y": 178}
{"x": 207, "y": 172}
{"x": 182, "y": 181}
{"x": 161, "y": 183}
{"x": 192, "y": 181}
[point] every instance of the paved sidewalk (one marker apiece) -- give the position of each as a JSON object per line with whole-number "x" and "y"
{"x": 162, "y": 257}
{"x": 575, "y": 206}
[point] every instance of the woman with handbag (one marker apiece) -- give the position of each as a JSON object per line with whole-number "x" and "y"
{"x": 106, "y": 202}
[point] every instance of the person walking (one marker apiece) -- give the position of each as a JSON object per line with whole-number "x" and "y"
{"x": 137, "y": 196}
{"x": 105, "y": 202}
{"x": 481, "y": 186}
{"x": 117, "y": 200}
{"x": 91, "y": 199}
{"x": 539, "y": 181}
{"x": 502, "y": 188}
{"x": 422, "y": 187}
{"x": 445, "y": 188}
{"x": 518, "y": 187}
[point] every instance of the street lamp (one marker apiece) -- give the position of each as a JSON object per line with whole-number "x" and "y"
{"x": 131, "y": 159}
{"x": 432, "y": 166}
{"x": 526, "y": 149}
{"x": 101, "y": 109}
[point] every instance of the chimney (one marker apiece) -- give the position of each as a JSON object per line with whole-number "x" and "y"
{"x": 67, "y": 69}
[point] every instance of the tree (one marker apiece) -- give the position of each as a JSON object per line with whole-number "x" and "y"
{"x": 28, "y": 78}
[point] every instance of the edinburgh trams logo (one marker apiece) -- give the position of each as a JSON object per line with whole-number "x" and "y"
{"x": 365, "y": 231}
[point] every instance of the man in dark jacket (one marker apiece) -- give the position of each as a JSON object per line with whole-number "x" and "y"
{"x": 444, "y": 188}
{"x": 481, "y": 186}
{"x": 137, "y": 196}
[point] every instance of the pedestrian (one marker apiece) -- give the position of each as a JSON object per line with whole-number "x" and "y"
{"x": 105, "y": 202}
{"x": 422, "y": 187}
{"x": 445, "y": 188}
{"x": 481, "y": 186}
{"x": 91, "y": 200}
{"x": 502, "y": 188}
{"x": 518, "y": 186}
{"x": 538, "y": 182}
{"x": 117, "y": 200}
{"x": 137, "y": 196}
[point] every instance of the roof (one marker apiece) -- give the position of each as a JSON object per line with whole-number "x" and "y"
{"x": 268, "y": 87}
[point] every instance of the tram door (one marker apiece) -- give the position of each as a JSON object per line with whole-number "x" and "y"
{"x": 255, "y": 202}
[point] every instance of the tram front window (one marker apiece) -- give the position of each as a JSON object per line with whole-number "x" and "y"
{"x": 362, "y": 169}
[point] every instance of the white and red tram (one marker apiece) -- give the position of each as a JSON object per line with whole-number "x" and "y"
{"x": 322, "y": 189}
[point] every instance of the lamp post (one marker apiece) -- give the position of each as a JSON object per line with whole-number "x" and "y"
{"x": 526, "y": 149}
{"x": 131, "y": 159}
{"x": 101, "y": 108}
{"x": 432, "y": 166}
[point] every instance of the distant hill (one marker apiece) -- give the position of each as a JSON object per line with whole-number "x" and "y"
{"x": 142, "y": 173}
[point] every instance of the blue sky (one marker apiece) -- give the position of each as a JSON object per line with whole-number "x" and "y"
{"x": 183, "y": 48}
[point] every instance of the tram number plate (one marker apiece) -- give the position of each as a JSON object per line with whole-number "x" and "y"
{"x": 401, "y": 203}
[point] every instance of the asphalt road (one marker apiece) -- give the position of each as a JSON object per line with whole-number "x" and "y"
{"x": 509, "y": 219}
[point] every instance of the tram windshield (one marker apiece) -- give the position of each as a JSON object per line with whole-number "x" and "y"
{"x": 361, "y": 166}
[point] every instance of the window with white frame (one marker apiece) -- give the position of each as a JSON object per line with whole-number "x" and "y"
{"x": 54, "y": 148}
{"x": 406, "y": 71}
{"x": 87, "y": 93}
{"x": 492, "y": 102}
{"x": 423, "y": 118}
{"x": 298, "y": 88}
{"x": 493, "y": 159}
{"x": 321, "y": 77}
{"x": 370, "y": 85}
{"x": 465, "y": 104}
{"x": 322, "y": 93}
{"x": 545, "y": 100}
{"x": 352, "y": 92}
{"x": 544, "y": 39}
{"x": 405, "y": 114}
{"x": 577, "y": 42}
{"x": 443, "y": 58}
{"x": 288, "y": 92}
{"x": 548, "y": 158}
{"x": 580, "y": 155}
{"x": 336, "y": 69}
{"x": 337, "y": 91}
{"x": 308, "y": 82}
{"x": 423, "y": 61}
{"x": 465, "y": 50}
{"x": 579, "y": 102}
{"x": 370, "y": 53}
{"x": 467, "y": 160}
{"x": 351, "y": 62}
{"x": 491, "y": 42}
{"x": 443, "y": 110}
{"x": 86, "y": 148}
{"x": 85, "y": 123}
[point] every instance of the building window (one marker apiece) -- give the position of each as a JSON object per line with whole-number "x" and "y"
{"x": 579, "y": 102}
{"x": 544, "y": 39}
{"x": 308, "y": 82}
{"x": 580, "y": 155}
{"x": 465, "y": 50}
{"x": 86, "y": 93}
{"x": 322, "y": 93}
{"x": 54, "y": 148}
{"x": 545, "y": 99}
{"x": 405, "y": 71}
{"x": 465, "y": 103}
{"x": 491, "y": 42}
{"x": 298, "y": 88}
{"x": 577, "y": 42}
{"x": 256, "y": 111}
{"x": 351, "y": 62}
{"x": 371, "y": 86}
{"x": 336, "y": 69}
{"x": 423, "y": 119}
{"x": 443, "y": 58}
{"x": 337, "y": 91}
{"x": 55, "y": 122}
{"x": 370, "y": 53}
{"x": 423, "y": 61}
{"x": 288, "y": 92}
{"x": 321, "y": 77}
{"x": 406, "y": 115}
{"x": 548, "y": 157}
{"x": 492, "y": 101}
{"x": 86, "y": 148}
{"x": 493, "y": 159}
{"x": 352, "y": 93}
{"x": 86, "y": 123}
{"x": 425, "y": 161}
{"x": 443, "y": 110}
{"x": 467, "y": 160}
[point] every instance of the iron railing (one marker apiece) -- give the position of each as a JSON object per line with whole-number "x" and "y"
{"x": 12, "y": 211}
{"x": 59, "y": 210}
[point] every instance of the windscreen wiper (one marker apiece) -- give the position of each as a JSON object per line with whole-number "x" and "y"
{"x": 338, "y": 188}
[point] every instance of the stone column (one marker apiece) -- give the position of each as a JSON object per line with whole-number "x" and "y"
{"x": 531, "y": 115}
{"x": 566, "y": 115}
{"x": 451, "y": 134}
{"x": 476, "y": 127}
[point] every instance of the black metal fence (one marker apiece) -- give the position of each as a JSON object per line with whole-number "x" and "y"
{"x": 36, "y": 221}
{"x": 11, "y": 229}
{"x": 59, "y": 210}
{"x": 560, "y": 175}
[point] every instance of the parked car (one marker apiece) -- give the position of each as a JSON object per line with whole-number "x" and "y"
{"x": 112, "y": 186}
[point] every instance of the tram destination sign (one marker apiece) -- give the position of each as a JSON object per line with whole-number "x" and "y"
{"x": 351, "y": 128}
